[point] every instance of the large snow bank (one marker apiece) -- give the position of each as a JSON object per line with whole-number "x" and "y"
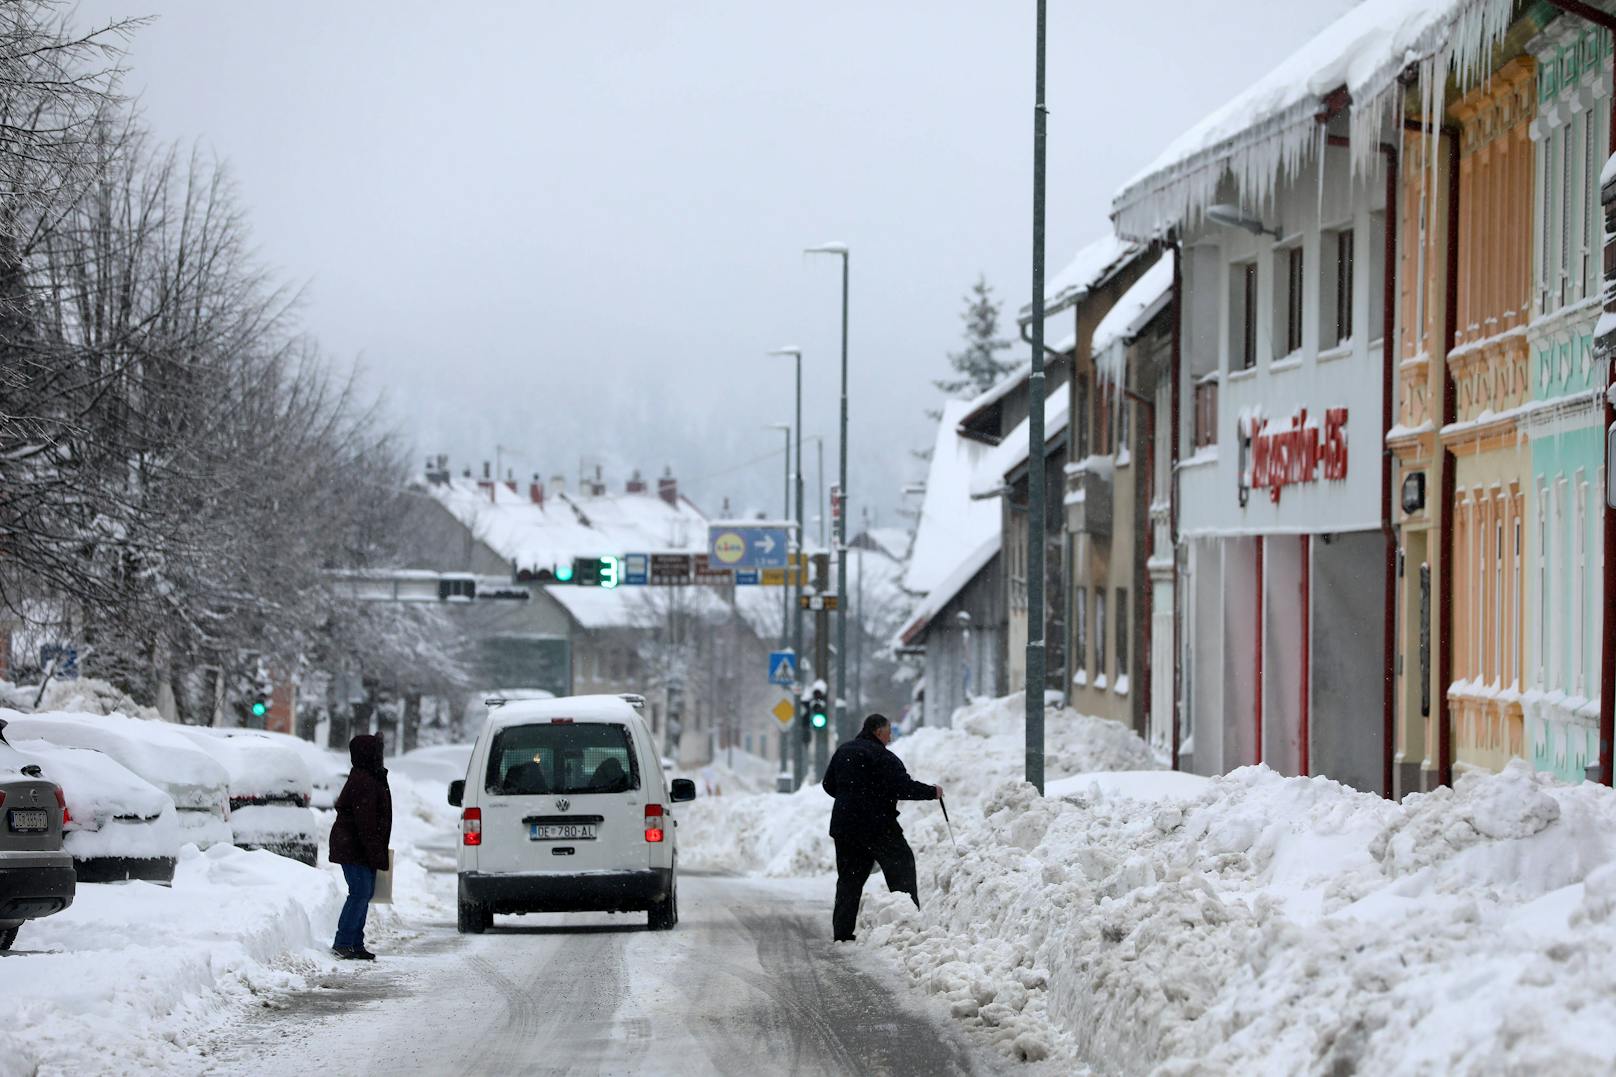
{"x": 1268, "y": 924}
{"x": 133, "y": 977}
{"x": 787, "y": 835}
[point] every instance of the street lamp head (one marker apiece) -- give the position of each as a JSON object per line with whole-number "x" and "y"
{"x": 787, "y": 351}
{"x": 778, "y": 426}
{"x": 828, "y": 248}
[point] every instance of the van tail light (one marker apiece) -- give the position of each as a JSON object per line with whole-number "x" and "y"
{"x": 61, "y": 802}
{"x": 471, "y": 826}
{"x": 653, "y": 822}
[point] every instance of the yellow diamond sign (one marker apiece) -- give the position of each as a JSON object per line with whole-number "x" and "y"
{"x": 785, "y": 711}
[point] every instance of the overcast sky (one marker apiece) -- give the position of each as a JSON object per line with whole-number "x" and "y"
{"x": 573, "y": 229}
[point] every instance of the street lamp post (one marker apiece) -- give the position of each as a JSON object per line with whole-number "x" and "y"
{"x": 785, "y": 592}
{"x": 795, "y": 571}
{"x": 1035, "y": 439}
{"x": 843, "y": 732}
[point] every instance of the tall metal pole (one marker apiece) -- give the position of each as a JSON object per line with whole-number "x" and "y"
{"x": 839, "y": 510}
{"x": 843, "y": 731}
{"x": 1035, "y": 443}
{"x": 796, "y": 571}
{"x": 858, "y": 625}
{"x": 785, "y": 592}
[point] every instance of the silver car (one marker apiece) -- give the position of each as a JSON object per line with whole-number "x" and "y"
{"x": 36, "y": 876}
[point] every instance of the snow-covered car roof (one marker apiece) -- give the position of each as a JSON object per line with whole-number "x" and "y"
{"x": 157, "y": 752}
{"x": 584, "y": 708}
{"x": 257, "y": 767}
{"x": 324, "y": 764}
{"x": 97, "y": 787}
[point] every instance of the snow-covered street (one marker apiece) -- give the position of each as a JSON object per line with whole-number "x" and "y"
{"x": 749, "y": 984}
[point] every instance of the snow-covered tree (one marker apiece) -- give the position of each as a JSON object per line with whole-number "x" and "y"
{"x": 978, "y": 366}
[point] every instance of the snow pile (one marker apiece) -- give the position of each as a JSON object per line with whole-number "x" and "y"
{"x": 733, "y": 772}
{"x": 788, "y": 835}
{"x": 1259, "y": 923}
{"x": 131, "y": 972}
{"x": 133, "y": 975}
{"x": 85, "y": 695}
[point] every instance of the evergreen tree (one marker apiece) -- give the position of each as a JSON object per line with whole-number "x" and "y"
{"x": 977, "y": 366}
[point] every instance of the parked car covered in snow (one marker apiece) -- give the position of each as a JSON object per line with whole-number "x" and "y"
{"x": 36, "y": 874}
{"x": 270, "y": 792}
{"x": 327, "y": 769}
{"x": 198, "y": 784}
{"x": 119, "y": 826}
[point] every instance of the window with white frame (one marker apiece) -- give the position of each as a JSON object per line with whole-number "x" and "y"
{"x": 1557, "y": 635}
{"x": 1335, "y": 287}
{"x": 1572, "y": 141}
{"x": 1289, "y": 292}
{"x": 1243, "y": 315}
{"x": 1080, "y": 638}
{"x": 1542, "y": 582}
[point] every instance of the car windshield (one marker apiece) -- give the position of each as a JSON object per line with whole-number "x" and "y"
{"x": 532, "y": 760}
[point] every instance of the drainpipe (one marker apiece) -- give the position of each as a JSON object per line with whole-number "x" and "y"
{"x": 1450, "y": 414}
{"x": 1175, "y": 362}
{"x": 1388, "y": 302}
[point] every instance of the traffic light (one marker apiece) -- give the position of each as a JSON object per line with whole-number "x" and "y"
{"x": 818, "y": 717}
{"x": 260, "y": 707}
{"x": 594, "y": 572}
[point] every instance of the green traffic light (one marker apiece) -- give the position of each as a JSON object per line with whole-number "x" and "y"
{"x": 818, "y": 719}
{"x": 260, "y": 708}
{"x": 563, "y": 573}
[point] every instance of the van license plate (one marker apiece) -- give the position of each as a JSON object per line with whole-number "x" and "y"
{"x": 561, "y": 831}
{"x": 29, "y": 820}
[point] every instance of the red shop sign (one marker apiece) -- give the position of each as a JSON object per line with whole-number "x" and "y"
{"x": 1274, "y": 455}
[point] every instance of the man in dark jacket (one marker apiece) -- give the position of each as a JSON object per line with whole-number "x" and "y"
{"x": 867, "y": 781}
{"x": 359, "y": 839}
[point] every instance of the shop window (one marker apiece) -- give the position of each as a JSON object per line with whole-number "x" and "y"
{"x": 1243, "y": 315}
{"x": 1289, "y": 291}
{"x": 1335, "y": 288}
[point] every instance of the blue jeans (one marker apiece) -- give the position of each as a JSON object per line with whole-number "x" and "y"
{"x": 351, "y": 924}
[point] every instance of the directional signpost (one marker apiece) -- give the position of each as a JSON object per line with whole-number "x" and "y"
{"x": 749, "y": 545}
{"x": 782, "y": 667}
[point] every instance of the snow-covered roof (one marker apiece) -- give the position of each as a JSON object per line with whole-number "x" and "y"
{"x": 1089, "y": 269}
{"x": 894, "y": 541}
{"x": 566, "y": 526}
{"x": 952, "y": 527}
{"x": 1011, "y": 453}
{"x": 999, "y": 389}
{"x": 1138, "y": 305}
{"x": 1271, "y": 129}
{"x": 949, "y": 586}
{"x": 631, "y": 607}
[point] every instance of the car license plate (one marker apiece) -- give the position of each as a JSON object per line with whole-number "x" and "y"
{"x": 29, "y": 820}
{"x": 561, "y": 831}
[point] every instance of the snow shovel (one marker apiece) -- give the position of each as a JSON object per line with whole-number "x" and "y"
{"x": 941, "y": 803}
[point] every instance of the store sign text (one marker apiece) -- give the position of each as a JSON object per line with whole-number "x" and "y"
{"x": 1274, "y": 455}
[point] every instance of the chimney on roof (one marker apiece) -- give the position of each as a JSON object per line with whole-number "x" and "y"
{"x": 535, "y": 491}
{"x": 486, "y": 483}
{"x": 667, "y": 487}
{"x": 598, "y": 487}
{"x": 635, "y": 484}
{"x": 437, "y": 470}
{"x": 510, "y": 480}
{"x": 558, "y": 484}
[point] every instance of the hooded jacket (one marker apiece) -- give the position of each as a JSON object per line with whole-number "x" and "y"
{"x": 364, "y": 821}
{"x": 867, "y": 781}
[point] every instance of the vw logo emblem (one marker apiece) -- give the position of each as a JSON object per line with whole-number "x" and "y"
{"x": 563, "y": 804}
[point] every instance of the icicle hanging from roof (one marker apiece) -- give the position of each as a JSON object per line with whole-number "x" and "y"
{"x": 1268, "y": 134}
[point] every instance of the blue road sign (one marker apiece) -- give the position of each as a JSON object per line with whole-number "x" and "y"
{"x": 748, "y": 576}
{"x": 636, "y": 569}
{"x": 747, "y": 546}
{"x": 782, "y": 667}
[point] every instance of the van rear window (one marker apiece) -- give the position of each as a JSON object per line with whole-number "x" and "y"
{"x": 535, "y": 760}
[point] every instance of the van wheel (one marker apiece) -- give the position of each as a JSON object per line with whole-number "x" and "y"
{"x": 473, "y": 919}
{"x": 664, "y": 914}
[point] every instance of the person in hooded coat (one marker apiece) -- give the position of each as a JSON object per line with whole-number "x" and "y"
{"x": 359, "y": 840}
{"x": 867, "y": 781}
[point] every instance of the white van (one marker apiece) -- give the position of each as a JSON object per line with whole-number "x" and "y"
{"x": 565, "y": 808}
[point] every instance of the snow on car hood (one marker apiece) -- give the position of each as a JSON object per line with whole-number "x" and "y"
{"x": 257, "y": 767}
{"x": 156, "y": 751}
{"x": 98, "y": 789}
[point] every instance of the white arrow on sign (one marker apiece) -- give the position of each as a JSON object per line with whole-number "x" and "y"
{"x": 766, "y": 543}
